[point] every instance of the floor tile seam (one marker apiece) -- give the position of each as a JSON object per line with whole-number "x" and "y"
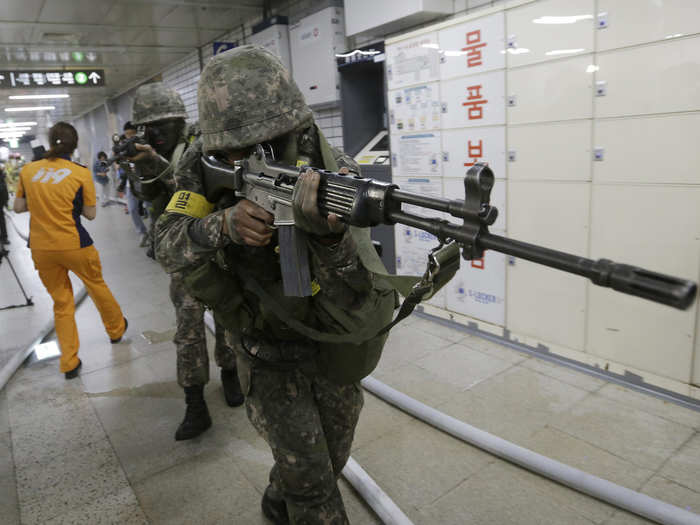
{"x": 670, "y": 480}
{"x": 612, "y": 453}
{"x": 138, "y": 480}
{"x": 653, "y": 414}
{"x": 660, "y": 416}
{"x": 595, "y": 390}
{"x": 429, "y": 352}
{"x": 678, "y": 449}
{"x": 497, "y": 374}
{"x": 114, "y": 365}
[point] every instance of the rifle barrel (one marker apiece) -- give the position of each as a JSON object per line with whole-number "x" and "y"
{"x": 632, "y": 280}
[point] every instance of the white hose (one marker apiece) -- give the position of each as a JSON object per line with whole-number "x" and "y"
{"x": 596, "y": 487}
{"x": 374, "y": 496}
{"x": 383, "y": 506}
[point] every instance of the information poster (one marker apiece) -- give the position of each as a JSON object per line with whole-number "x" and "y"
{"x": 415, "y": 108}
{"x": 412, "y": 244}
{"x": 413, "y": 61}
{"x": 476, "y": 46}
{"x": 479, "y": 289}
{"x": 416, "y": 155}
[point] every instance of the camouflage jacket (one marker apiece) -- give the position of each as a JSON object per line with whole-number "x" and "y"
{"x": 184, "y": 242}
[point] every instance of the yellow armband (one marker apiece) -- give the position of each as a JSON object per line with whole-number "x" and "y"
{"x": 190, "y": 203}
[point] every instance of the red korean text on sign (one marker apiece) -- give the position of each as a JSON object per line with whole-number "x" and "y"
{"x": 478, "y": 263}
{"x": 474, "y": 102}
{"x": 473, "y": 48}
{"x": 475, "y": 152}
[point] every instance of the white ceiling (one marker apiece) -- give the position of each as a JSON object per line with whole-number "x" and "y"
{"x": 130, "y": 39}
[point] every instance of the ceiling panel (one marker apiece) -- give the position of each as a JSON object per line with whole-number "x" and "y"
{"x": 24, "y": 10}
{"x": 203, "y": 17}
{"x": 137, "y": 14}
{"x": 132, "y": 40}
{"x": 75, "y": 11}
{"x": 15, "y": 34}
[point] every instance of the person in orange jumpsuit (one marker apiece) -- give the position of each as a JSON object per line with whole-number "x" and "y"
{"x": 57, "y": 192}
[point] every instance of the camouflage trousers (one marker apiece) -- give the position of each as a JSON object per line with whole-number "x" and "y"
{"x": 190, "y": 338}
{"x": 309, "y": 423}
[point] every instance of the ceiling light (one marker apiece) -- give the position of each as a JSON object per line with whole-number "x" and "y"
{"x": 592, "y": 68}
{"x": 30, "y": 108}
{"x": 430, "y": 46}
{"x": 10, "y": 124}
{"x": 561, "y": 19}
{"x": 33, "y": 97}
{"x": 555, "y": 52}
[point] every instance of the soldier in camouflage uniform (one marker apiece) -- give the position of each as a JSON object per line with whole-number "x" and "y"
{"x": 161, "y": 110}
{"x": 247, "y": 97}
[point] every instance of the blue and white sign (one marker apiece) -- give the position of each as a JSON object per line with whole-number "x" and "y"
{"x": 220, "y": 47}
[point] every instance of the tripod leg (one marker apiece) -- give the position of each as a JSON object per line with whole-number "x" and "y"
{"x": 19, "y": 283}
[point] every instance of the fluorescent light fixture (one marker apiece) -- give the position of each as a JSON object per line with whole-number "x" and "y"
{"x": 31, "y": 108}
{"x": 358, "y": 52}
{"x": 13, "y": 124}
{"x": 11, "y": 130}
{"x": 515, "y": 50}
{"x": 556, "y": 52}
{"x": 592, "y": 68}
{"x": 430, "y": 46}
{"x": 46, "y": 350}
{"x": 674, "y": 36}
{"x": 36, "y": 97}
{"x": 561, "y": 19}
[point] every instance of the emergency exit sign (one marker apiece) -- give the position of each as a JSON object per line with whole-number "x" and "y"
{"x": 64, "y": 78}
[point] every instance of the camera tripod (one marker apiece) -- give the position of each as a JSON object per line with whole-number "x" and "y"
{"x": 5, "y": 254}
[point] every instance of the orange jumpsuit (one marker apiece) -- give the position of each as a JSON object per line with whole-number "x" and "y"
{"x": 56, "y": 191}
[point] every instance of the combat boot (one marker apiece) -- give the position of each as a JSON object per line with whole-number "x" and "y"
{"x": 274, "y": 509}
{"x": 197, "y": 418}
{"x": 232, "y": 388}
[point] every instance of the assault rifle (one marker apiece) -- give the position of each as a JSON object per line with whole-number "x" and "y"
{"x": 363, "y": 202}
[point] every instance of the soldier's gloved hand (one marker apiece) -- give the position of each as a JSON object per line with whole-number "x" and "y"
{"x": 248, "y": 223}
{"x": 305, "y": 206}
{"x": 146, "y": 152}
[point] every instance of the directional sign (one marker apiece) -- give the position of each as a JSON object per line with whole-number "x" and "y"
{"x": 220, "y": 47}
{"x": 50, "y": 79}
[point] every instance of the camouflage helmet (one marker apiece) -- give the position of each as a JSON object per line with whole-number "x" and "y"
{"x": 157, "y": 101}
{"x": 246, "y": 96}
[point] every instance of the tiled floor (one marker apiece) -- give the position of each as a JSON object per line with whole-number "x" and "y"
{"x": 100, "y": 449}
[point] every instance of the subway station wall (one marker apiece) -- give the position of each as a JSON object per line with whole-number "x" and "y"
{"x": 541, "y": 89}
{"x": 588, "y": 111}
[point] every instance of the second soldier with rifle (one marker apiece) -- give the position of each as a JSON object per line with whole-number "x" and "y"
{"x": 161, "y": 112}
